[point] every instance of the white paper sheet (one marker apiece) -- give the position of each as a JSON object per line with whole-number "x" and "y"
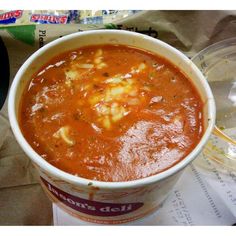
{"x": 202, "y": 196}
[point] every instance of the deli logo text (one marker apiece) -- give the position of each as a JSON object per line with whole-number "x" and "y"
{"x": 91, "y": 207}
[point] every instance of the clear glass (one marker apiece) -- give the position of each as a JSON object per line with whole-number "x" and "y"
{"x": 218, "y": 63}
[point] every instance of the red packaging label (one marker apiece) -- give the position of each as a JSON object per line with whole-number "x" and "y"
{"x": 91, "y": 207}
{"x": 48, "y": 19}
{"x": 10, "y": 17}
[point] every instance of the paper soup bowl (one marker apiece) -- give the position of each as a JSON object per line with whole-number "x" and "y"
{"x": 108, "y": 202}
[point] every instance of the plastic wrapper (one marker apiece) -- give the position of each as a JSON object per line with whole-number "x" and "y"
{"x": 26, "y": 17}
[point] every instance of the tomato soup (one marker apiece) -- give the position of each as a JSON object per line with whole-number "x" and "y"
{"x": 111, "y": 113}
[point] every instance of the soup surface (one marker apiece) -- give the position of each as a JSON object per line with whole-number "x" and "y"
{"x": 111, "y": 113}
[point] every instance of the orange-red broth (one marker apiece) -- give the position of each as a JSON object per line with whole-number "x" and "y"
{"x": 111, "y": 113}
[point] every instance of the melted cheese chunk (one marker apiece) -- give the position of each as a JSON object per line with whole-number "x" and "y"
{"x": 63, "y": 133}
{"x": 119, "y": 95}
{"x": 98, "y": 60}
{"x": 110, "y": 104}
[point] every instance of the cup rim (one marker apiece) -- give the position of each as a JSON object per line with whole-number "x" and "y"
{"x": 101, "y": 184}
